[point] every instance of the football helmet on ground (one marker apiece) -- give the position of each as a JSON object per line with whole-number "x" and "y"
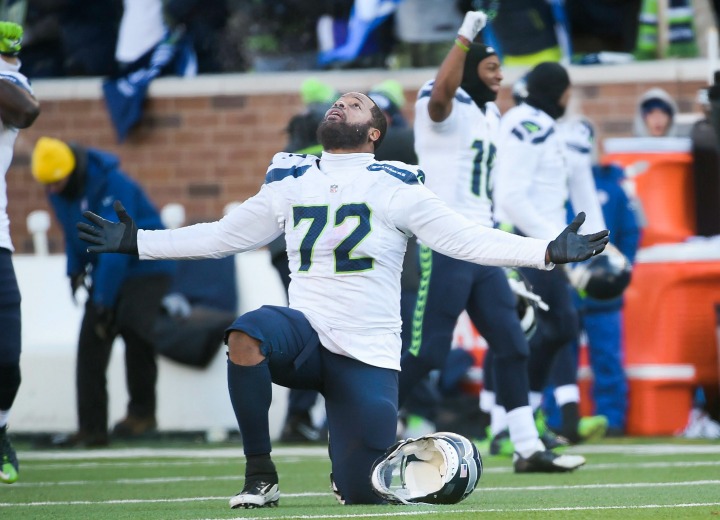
{"x": 440, "y": 468}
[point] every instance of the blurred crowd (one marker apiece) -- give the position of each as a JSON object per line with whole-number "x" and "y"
{"x": 69, "y": 38}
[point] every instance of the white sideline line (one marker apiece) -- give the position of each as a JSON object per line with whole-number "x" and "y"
{"x": 466, "y": 511}
{"x": 170, "y": 453}
{"x": 298, "y": 495}
{"x": 153, "y": 464}
{"x": 321, "y": 451}
{"x": 239, "y": 477}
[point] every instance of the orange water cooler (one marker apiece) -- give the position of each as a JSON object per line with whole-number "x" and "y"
{"x": 659, "y": 171}
{"x": 669, "y": 318}
{"x": 670, "y": 333}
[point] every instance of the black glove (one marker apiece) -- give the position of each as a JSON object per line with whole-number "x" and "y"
{"x": 104, "y": 322}
{"x": 77, "y": 280}
{"x": 110, "y": 237}
{"x": 571, "y": 247}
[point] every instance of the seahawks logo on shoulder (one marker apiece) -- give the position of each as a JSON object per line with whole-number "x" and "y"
{"x": 286, "y": 165}
{"x": 532, "y": 132}
{"x": 530, "y": 126}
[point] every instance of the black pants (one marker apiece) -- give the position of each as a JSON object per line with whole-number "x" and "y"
{"x": 136, "y": 309}
{"x": 10, "y": 325}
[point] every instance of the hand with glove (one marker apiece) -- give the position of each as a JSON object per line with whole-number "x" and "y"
{"x": 571, "y": 247}
{"x": 110, "y": 237}
{"x": 105, "y": 326}
{"x": 473, "y": 23}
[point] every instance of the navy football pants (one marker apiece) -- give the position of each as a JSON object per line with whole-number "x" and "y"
{"x": 9, "y": 331}
{"x": 557, "y": 328}
{"x": 447, "y": 287}
{"x": 360, "y": 399}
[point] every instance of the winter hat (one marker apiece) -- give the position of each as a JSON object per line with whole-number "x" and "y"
{"x": 656, "y": 103}
{"x": 389, "y": 97}
{"x": 546, "y": 84}
{"x": 471, "y": 83}
{"x": 52, "y": 160}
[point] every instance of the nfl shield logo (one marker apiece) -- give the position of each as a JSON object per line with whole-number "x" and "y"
{"x": 333, "y": 188}
{"x": 463, "y": 470}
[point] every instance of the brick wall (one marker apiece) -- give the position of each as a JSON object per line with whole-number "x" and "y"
{"x": 207, "y": 142}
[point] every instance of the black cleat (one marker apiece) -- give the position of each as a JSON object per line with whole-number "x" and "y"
{"x": 552, "y": 441}
{"x": 256, "y": 493}
{"x": 300, "y": 429}
{"x": 546, "y": 462}
{"x": 501, "y": 444}
{"x": 9, "y": 466}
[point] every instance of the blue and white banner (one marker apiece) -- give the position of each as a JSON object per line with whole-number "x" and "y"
{"x": 125, "y": 96}
{"x": 365, "y": 17}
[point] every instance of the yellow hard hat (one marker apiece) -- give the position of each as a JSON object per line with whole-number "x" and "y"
{"x": 52, "y": 160}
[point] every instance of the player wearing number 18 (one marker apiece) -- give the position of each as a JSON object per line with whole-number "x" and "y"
{"x": 346, "y": 219}
{"x": 456, "y": 128}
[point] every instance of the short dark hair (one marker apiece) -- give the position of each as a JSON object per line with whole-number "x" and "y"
{"x": 378, "y": 121}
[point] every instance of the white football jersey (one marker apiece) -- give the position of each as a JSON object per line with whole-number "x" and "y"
{"x": 457, "y": 154}
{"x": 8, "y": 134}
{"x": 346, "y": 218}
{"x": 536, "y": 173}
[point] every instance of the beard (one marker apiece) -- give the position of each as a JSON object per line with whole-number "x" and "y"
{"x": 334, "y": 135}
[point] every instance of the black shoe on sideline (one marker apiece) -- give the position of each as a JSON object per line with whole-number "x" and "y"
{"x": 546, "y": 461}
{"x": 256, "y": 493}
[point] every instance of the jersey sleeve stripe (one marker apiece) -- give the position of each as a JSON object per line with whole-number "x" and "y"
{"x": 15, "y": 81}
{"x": 542, "y": 138}
{"x": 458, "y": 97}
{"x": 278, "y": 174}
{"x": 408, "y": 177}
{"x": 578, "y": 148}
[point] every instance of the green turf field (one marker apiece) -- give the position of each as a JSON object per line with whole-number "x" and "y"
{"x": 638, "y": 478}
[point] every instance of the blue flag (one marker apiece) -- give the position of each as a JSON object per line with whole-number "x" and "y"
{"x": 365, "y": 17}
{"x": 125, "y": 96}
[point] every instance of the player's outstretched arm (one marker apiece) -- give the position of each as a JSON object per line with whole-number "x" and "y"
{"x": 110, "y": 237}
{"x": 571, "y": 247}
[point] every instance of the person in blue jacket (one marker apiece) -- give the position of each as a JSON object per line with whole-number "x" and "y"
{"x": 124, "y": 294}
{"x": 602, "y": 319}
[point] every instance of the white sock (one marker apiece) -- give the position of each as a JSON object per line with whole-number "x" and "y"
{"x": 4, "y": 415}
{"x": 498, "y": 419}
{"x": 487, "y": 400}
{"x": 523, "y": 433}
{"x": 535, "y": 400}
{"x": 567, "y": 394}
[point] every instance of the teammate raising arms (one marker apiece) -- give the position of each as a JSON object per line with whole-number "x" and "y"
{"x": 456, "y": 125}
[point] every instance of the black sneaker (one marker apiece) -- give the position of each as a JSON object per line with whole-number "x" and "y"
{"x": 549, "y": 438}
{"x": 502, "y": 445}
{"x": 553, "y": 441}
{"x": 546, "y": 462}
{"x": 9, "y": 466}
{"x": 300, "y": 429}
{"x": 77, "y": 440}
{"x": 256, "y": 493}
